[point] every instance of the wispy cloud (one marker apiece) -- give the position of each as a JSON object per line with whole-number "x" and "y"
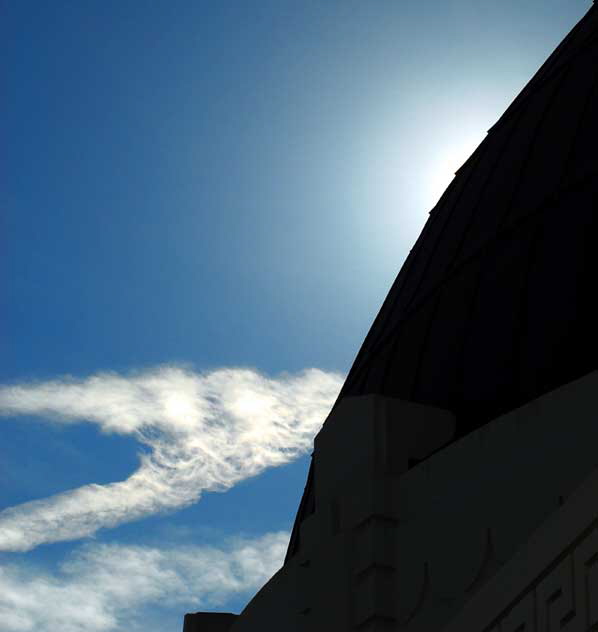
{"x": 205, "y": 432}
{"x": 104, "y": 587}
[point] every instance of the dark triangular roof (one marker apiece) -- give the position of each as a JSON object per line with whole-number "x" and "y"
{"x": 495, "y": 304}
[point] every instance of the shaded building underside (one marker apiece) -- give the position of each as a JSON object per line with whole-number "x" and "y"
{"x": 495, "y": 304}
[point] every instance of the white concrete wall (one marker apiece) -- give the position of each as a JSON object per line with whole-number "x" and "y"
{"x": 551, "y": 583}
{"x": 391, "y": 549}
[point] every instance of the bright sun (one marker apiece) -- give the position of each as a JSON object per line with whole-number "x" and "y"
{"x": 446, "y": 162}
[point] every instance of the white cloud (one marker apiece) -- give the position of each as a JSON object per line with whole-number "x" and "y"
{"x": 104, "y": 587}
{"x": 206, "y": 432}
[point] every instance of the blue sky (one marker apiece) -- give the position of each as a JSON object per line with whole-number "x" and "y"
{"x": 204, "y": 205}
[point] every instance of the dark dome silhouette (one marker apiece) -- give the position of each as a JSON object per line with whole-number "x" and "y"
{"x": 495, "y": 304}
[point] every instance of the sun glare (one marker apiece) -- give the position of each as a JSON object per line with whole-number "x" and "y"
{"x": 446, "y": 162}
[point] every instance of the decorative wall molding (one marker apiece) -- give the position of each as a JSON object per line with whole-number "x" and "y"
{"x": 551, "y": 584}
{"x": 563, "y": 597}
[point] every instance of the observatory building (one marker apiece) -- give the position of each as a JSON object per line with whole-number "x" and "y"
{"x": 454, "y": 485}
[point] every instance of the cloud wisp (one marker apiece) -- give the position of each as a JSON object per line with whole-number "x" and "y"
{"x": 205, "y": 431}
{"x": 104, "y": 587}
